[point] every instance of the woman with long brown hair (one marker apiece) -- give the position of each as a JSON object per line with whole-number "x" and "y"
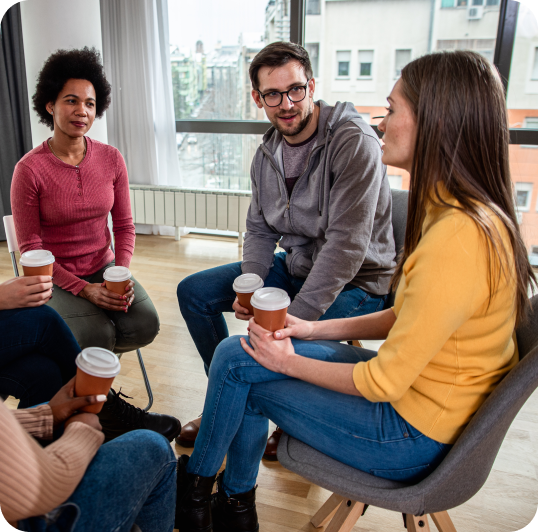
{"x": 461, "y": 288}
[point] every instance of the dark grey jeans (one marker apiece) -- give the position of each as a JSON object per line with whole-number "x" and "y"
{"x": 95, "y": 327}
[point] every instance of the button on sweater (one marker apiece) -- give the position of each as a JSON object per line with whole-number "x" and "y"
{"x": 64, "y": 209}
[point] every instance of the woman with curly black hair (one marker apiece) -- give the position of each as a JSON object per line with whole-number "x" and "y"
{"x": 61, "y": 195}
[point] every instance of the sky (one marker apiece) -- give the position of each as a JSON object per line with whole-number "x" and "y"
{"x": 214, "y": 20}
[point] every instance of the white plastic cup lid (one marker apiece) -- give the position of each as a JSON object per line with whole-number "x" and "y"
{"x": 270, "y": 299}
{"x": 98, "y": 362}
{"x": 36, "y": 258}
{"x": 246, "y": 283}
{"x": 116, "y": 274}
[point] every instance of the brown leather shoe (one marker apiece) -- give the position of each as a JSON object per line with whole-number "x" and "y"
{"x": 272, "y": 444}
{"x": 188, "y": 433}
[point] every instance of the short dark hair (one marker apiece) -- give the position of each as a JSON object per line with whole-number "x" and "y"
{"x": 64, "y": 65}
{"x": 278, "y": 54}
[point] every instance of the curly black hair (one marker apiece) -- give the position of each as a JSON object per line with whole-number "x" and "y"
{"x": 63, "y": 65}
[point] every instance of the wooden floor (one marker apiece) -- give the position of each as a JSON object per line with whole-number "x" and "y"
{"x": 506, "y": 503}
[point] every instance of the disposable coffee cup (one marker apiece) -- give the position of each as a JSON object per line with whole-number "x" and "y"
{"x": 96, "y": 369}
{"x": 117, "y": 278}
{"x": 244, "y": 286}
{"x": 270, "y": 308}
{"x": 37, "y": 262}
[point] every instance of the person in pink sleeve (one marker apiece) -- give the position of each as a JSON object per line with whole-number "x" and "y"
{"x": 61, "y": 196}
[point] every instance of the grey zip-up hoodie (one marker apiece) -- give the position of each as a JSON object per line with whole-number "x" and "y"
{"x": 336, "y": 226}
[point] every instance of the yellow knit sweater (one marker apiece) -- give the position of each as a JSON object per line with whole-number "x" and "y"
{"x": 447, "y": 349}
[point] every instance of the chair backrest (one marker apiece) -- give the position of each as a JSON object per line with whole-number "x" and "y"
{"x": 399, "y": 221}
{"x": 399, "y": 217}
{"x": 9, "y": 225}
{"x": 467, "y": 466}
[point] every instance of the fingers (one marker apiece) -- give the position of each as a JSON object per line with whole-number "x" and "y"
{"x": 283, "y": 333}
{"x": 246, "y": 347}
{"x": 36, "y": 279}
{"x": 37, "y": 288}
{"x": 78, "y": 402}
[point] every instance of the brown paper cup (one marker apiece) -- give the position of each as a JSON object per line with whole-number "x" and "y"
{"x": 244, "y": 301}
{"x": 38, "y": 270}
{"x": 89, "y": 385}
{"x": 117, "y": 286}
{"x": 272, "y": 320}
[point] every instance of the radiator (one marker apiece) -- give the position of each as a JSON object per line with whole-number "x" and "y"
{"x": 202, "y": 209}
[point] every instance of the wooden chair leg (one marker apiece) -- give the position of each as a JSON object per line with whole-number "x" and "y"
{"x": 417, "y": 523}
{"x": 443, "y": 522}
{"x": 346, "y": 516}
{"x": 326, "y": 512}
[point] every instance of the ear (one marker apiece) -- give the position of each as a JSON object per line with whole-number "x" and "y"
{"x": 50, "y": 107}
{"x": 312, "y": 86}
{"x": 257, "y": 99}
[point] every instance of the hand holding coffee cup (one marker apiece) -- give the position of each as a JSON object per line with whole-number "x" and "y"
{"x": 96, "y": 370}
{"x": 116, "y": 292}
{"x": 22, "y": 292}
{"x": 244, "y": 286}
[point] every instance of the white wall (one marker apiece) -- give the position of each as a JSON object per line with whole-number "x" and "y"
{"x": 58, "y": 24}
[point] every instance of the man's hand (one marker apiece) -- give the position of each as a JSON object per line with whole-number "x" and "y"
{"x": 23, "y": 292}
{"x": 241, "y": 313}
{"x": 101, "y": 297}
{"x": 88, "y": 419}
{"x": 270, "y": 353}
{"x": 64, "y": 404}
{"x": 296, "y": 328}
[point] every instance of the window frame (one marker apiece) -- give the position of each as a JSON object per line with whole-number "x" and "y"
{"x": 371, "y": 75}
{"x": 502, "y": 58}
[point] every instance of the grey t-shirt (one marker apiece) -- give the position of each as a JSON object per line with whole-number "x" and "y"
{"x": 295, "y": 157}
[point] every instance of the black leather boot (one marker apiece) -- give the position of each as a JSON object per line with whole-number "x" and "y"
{"x": 193, "y": 503}
{"x": 236, "y": 513}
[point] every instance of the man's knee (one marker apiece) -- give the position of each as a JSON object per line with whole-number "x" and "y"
{"x": 190, "y": 290}
{"x": 145, "y": 446}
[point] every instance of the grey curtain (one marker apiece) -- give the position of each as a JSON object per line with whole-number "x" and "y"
{"x": 15, "y": 129}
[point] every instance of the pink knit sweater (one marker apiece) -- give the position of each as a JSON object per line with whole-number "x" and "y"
{"x": 64, "y": 209}
{"x": 33, "y": 480}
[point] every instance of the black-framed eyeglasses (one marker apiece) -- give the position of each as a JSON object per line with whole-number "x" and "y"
{"x": 295, "y": 94}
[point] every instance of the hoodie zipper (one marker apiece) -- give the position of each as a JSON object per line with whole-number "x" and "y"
{"x": 270, "y": 157}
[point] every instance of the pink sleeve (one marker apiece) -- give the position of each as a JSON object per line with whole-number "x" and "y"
{"x": 25, "y": 208}
{"x": 122, "y": 219}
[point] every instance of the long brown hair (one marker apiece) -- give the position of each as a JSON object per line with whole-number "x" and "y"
{"x": 463, "y": 143}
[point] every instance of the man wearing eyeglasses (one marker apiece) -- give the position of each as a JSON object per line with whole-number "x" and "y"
{"x": 320, "y": 191}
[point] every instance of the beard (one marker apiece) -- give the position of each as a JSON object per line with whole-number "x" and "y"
{"x": 298, "y": 128}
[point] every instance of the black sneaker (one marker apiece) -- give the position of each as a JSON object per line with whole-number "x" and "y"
{"x": 118, "y": 417}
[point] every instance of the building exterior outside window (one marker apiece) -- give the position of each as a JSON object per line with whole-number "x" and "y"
{"x": 402, "y": 57}
{"x": 366, "y": 61}
{"x": 343, "y": 61}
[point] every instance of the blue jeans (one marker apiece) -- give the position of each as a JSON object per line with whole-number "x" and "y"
{"x": 204, "y": 296}
{"x": 131, "y": 479}
{"x": 242, "y": 396}
{"x": 37, "y": 354}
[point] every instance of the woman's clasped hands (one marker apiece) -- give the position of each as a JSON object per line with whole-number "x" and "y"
{"x": 274, "y": 350}
{"x": 100, "y": 296}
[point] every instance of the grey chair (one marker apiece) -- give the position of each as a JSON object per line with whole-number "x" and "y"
{"x": 13, "y": 246}
{"x": 461, "y": 474}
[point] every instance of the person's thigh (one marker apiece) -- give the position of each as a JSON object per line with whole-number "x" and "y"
{"x": 121, "y": 479}
{"x": 353, "y": 301}
{"x": 89, "y": 324}
{"x": 33, "y": 379}
{"x": 209, "y": 292}
{"x": 368, "y": 436}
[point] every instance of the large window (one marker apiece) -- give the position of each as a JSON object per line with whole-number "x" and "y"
{"x": 343, "y": 61}
{"x": 366, "y": 61}
{"x": 401, "y": 59}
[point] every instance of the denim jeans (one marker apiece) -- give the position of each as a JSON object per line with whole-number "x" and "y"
{"x": 204, "y": 296}
{"x": 131, "y": 479}
{"x": 37, "y": 354}
{"x": 242, "y": 396}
